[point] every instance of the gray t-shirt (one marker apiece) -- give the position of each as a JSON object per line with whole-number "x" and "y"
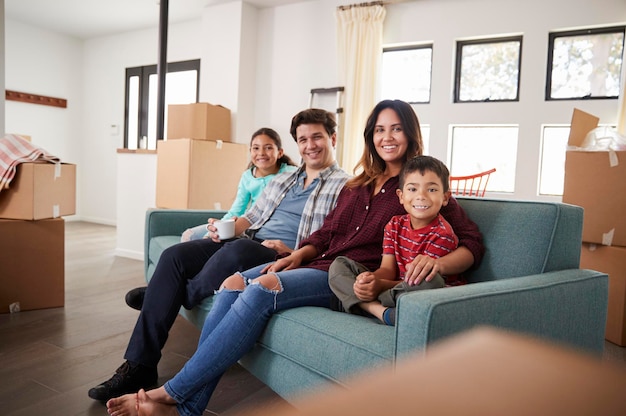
{"x": 284, "y": 222}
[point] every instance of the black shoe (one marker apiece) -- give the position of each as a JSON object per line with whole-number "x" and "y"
{"x": 134, "y": 298}
{"x": 127, "y": 379}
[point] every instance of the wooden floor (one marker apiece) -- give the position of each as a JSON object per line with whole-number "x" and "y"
{"x": 50, "y": 358}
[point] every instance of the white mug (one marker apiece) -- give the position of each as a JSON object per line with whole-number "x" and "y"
{"x": 225, "y": 229}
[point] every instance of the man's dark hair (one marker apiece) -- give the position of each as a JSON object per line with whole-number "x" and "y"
{"x": 423, "y": 164}
{"x": 313, "y": 116}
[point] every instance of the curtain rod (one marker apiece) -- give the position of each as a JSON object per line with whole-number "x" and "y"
{"x": 372, "y": 3}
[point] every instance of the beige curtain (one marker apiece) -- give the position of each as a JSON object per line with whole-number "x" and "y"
{"x": 359, "y": 40}
{"x": 621, "y": 109}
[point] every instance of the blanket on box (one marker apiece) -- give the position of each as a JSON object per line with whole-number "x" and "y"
{"x": 14, "y": 150}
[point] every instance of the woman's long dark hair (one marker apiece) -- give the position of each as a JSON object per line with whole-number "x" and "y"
{"x": 371, "y": 163}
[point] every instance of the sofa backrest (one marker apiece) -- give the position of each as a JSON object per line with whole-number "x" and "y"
{"x": 525, "y": 237}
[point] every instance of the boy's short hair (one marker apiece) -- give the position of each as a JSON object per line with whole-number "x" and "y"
{"x": 422, "y": 164}
{"x": 313, "y": 116}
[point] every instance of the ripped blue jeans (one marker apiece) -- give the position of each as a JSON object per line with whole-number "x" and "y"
{"x": 235, "y": 322}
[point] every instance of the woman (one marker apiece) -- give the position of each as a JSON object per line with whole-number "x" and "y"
{"x": 354, "y": 229}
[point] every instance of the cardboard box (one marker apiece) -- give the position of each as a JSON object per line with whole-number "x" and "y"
{"x": 32, "y": 264}
{"x": 198, "y": 174}
{"x": 201, "y": 121}
{"x": 612, "y": 261}
{"x": 40, "y": 190}
{"x": 596, "y": 181}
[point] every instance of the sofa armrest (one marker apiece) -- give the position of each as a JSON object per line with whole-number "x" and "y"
{"x": 567, "y": 306}
{"x": 163, "y": 222}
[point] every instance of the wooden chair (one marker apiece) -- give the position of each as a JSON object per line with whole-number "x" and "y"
{"x": 470, "y": 185}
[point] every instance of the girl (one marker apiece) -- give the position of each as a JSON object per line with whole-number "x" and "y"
{"x": 267, "y": 158}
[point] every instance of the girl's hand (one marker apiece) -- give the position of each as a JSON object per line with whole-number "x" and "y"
{"x": 212, "y": 231}
{"x": 421, "y": 268}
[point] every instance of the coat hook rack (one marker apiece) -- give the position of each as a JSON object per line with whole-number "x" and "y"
{"x": 25, "y": 97}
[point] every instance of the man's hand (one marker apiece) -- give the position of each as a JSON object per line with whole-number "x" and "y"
{"x": 277, "y": 245}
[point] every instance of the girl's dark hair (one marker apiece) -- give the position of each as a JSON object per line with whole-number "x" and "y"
{"x": 272, "y": 134}
{"x": 371, "y": 163}
{"x": 423, "y": 164}
{"x": 313, "y": 116}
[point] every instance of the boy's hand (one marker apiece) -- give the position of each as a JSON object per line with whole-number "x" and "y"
{"x": 421, "y": 268}
{"x": 366, "y": 287}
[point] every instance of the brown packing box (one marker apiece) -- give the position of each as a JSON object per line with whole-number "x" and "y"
{"x": 40, "y": 190}
{"x": 201, "y": 121}
{"x": 596, "y": 181}
{"x": 32, "y": 264}
{"x": 198, "y": 174}
{"x": 612, "y": 261}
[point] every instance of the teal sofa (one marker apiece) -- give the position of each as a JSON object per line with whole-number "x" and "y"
{"x": 529, "y": 281}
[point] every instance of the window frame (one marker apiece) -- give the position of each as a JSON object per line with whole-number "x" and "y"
{"x": 144, "y": 72}
{"x": 415, "y": 46}
{"x": 457, "y": 66}
{"x": 552, "y": 36}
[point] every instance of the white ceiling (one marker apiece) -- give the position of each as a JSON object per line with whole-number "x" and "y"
{"x": 91, "y": 18}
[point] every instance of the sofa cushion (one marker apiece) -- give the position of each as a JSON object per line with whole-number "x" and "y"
{"x": 156, "y": 247}
{"x": 524, "y": 238}
{"x": 350, "y": 342}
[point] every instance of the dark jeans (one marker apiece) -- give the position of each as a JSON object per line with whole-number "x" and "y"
{"x": 186, "y": 274}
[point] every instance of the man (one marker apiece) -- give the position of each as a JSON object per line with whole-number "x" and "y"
{"x": 291, "y": 207}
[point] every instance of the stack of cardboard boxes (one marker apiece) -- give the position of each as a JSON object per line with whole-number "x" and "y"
{"x": 32, "y": 243}
{"x": 596, "y": 181}
{"x": 197, "y": 166}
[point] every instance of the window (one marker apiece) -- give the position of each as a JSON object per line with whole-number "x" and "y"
{"x": 585, "y": 64}
{"x": 488, "y": 70}
{"x": 425, "y": 129}
{"x": 552, "y": 164}
{"x": 140, "y": 119}
{"x": 476, "y": 149}
{"x": 406, "y": 73}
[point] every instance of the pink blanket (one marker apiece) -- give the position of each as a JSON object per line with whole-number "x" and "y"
{"x": 14, "y": 150}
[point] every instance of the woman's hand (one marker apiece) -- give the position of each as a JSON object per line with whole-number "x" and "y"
{"x": 286, "y": 263}
{"x": 292, "y": 261}
{"x": 421, "y": 268}
{"x": 277, "y": 245}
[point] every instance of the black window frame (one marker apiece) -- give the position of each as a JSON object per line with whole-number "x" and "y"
{"x": 579, "y": 32}
{"x": 457, "y": 66}
{"x": 144, "y": 72}
{"x": 414, "y": 47}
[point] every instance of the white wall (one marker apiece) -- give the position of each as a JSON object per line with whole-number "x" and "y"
{"x": 46, "y": 63}
{"x": 479, "y": 18}
{"x": 283, "y": 53}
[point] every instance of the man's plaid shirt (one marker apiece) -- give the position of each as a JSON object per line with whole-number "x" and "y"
{"x": 321, "y": 201}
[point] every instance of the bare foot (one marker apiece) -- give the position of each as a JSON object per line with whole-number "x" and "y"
{"x": 149, "y": 407}
{"x": 125, "y": 405}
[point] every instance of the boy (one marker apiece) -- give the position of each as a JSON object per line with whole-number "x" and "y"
{"x": 424, "y": 189}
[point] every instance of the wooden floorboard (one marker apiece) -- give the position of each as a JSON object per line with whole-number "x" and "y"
{"x": 50, "y": 358}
